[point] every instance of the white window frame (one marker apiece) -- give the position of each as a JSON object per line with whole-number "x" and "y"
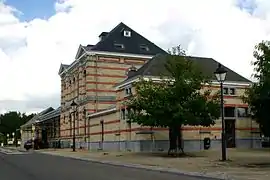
{"x": 128, "y": 91}
{"x": 229, "y": 88}
{"x": 127, "y": 33}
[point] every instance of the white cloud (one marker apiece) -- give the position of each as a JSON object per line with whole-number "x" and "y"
{"x": 31, "y": 52}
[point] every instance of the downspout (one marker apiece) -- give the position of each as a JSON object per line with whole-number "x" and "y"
{"x": 89, "y": 138}
{"x": 78, "y": 95}
{"x": 252, "y": 134}
{"x": 96, "y": 83}
{"x": 85, "y": 126}
{"x": 119, "y": 126}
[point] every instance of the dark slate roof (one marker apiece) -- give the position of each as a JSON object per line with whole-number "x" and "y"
{"x": 131, "y": 44}
{"x": 62, "y": 68}
{"x": 36, "y": 117}
{"x": 88, "y": 47}
{"x": 155, "y": 67}
{"x": 49, "y": 115}
{"x": 103, "y": 34}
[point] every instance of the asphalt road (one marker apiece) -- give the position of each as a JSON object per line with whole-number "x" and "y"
{"x": 34, "y": 166}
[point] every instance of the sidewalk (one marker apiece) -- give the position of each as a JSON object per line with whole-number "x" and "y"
{"x": 14, "y": 148}
{"x": 242, "y": 164}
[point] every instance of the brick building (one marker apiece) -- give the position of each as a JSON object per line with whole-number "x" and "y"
{"x": 98, "y": 82}
{"x": 90, "y": 79}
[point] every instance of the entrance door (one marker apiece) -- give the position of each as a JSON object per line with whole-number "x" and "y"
{"x": 102, "y": 135}
{"x": 230, "y": 133}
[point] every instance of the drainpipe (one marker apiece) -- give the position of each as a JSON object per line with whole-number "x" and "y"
{"x": 78, "y": 95}
{"x": 89, "y": 138}
{"x": 96, "y": 81}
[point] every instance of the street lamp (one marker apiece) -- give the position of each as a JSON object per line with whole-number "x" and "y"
{"x": 220, "y": 74}
{"x": 13, "y": 137}
{"x": 73, "y": 110}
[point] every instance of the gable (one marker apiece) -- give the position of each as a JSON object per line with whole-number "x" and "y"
{"x": 123, "y": 39}
{"x": 80, "y": 51}
{"x": 62, "y": 68}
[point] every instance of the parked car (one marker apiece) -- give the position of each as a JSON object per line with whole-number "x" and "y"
{"x": 28, "y": 144}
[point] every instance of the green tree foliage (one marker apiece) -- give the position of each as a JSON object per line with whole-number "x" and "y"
{"x": 11, "y": 121}
{"x": 258, "y": 95}
{"x": 175, "y": 101}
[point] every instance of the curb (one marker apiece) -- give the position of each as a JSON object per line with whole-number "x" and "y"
{"x": 5, "y": 151}
{"x": 221, "y": 176}
{"x": 14, "y": 149}
{"x": 8, "y": 150}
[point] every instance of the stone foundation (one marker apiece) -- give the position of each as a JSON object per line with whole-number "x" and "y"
{"x": 158, "y": 145}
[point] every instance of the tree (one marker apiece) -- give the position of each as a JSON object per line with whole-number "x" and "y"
{"x": 258, "y": 95}
{"x": 175, "y": 100}
{"x": 11, "y": 121}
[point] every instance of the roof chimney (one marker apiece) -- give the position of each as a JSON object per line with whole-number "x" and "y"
{"x": 103, "y": 35}
{"x": 131, "y": 71}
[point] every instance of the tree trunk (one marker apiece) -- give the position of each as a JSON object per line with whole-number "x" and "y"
{"x": 175, "y": 138}
{"x": 180, "y": 140}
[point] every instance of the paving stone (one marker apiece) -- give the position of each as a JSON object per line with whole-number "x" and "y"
{"x": 242, "y": 164}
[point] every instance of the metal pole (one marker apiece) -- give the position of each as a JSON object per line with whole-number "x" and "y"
{"x": 223, "y": 134}
{"x": 15, "y": 138}
{"x": 73, "y": 132}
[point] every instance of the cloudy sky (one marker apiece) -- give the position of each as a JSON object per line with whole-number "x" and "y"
{"x": 37, "y": 35}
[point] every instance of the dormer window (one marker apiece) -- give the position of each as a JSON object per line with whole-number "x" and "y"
{"x": 144, "y": 48}
{"x": 131, "y": 71}
{"x": 127, "y": 33}
{"x": 84, "y": 73}
{"x": 119, "y": 46}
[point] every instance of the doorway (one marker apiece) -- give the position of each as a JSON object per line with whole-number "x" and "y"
{"x": 102, "y": 134}
{"x": 230, "y": 133}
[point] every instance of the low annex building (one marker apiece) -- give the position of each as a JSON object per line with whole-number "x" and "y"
{"x": 111, "y": 130}
{"x": 44, "y": 126}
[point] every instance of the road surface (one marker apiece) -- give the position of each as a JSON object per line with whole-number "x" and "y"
{"x": 35, "y": 166}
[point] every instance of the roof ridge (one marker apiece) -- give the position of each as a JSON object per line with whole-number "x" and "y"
{"x": 109, "y": 33}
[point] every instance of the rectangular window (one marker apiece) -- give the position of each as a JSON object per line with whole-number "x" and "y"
{"x": 128, "y": 91}
{"x": 229, "y": 91}
{"x": 225, "y": 91}
{"x": 144, "y": 48}
{"x": 119, "y": 46}
{"x": 122, "y": 115}
{"x": 232, "y": 91}
{"x": 126, "y": 113}
{"x": 242, "y": 112}
{"x": 229, "y": 112}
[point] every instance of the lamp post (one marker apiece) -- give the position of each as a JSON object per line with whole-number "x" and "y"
{"x": 7, "y": 138}
{"x": 73, "y": 110}
{"x": 220, "y": 74}
{"x": 13, "y": 137}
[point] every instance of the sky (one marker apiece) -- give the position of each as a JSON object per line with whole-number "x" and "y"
{"x": 36, "y": 36}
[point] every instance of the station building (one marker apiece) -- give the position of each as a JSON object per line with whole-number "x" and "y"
{"x": 100, "y": 80}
